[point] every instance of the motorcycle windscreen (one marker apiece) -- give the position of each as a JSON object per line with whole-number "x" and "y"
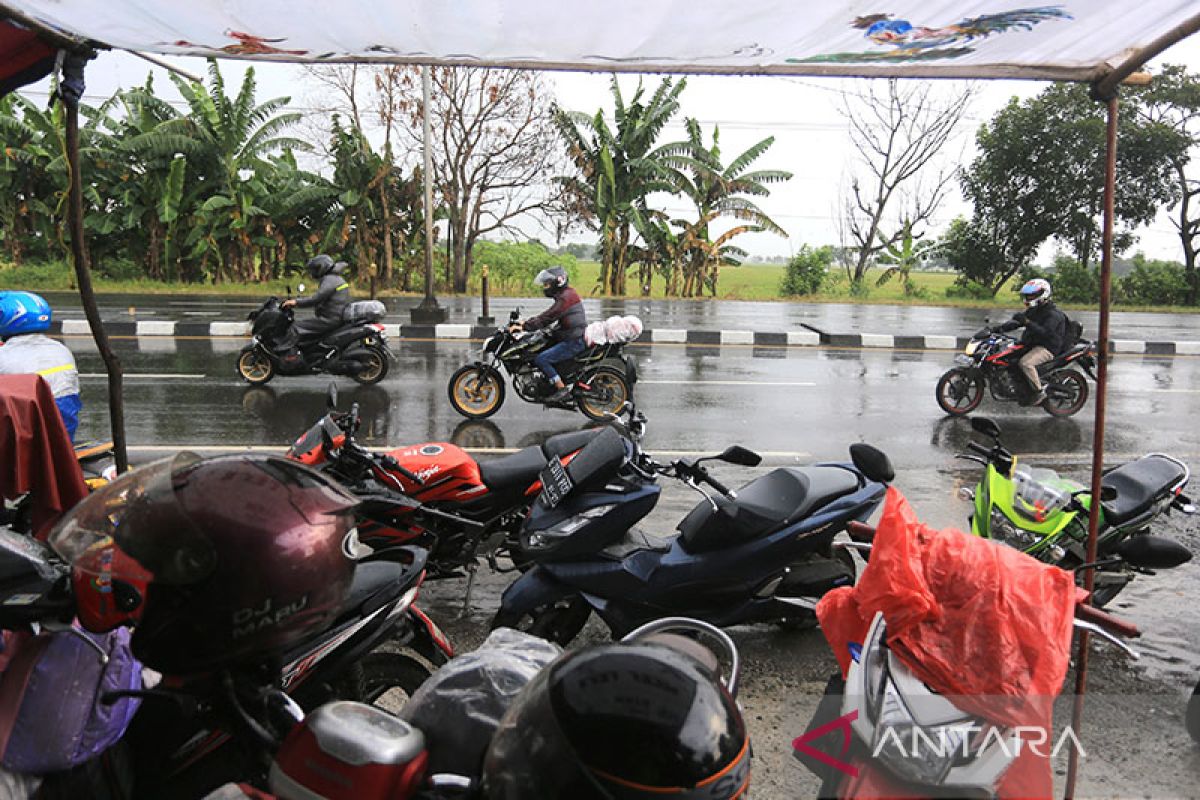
{"x": 310, "y": 448}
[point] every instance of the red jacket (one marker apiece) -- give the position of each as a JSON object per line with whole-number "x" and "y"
{"x": 567, "y": 311}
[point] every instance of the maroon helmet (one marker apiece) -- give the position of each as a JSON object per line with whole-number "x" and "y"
{"x": 246, "y": 556}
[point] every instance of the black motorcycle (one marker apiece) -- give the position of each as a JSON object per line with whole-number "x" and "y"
{"x": 357, "y": 348}
{"x": 601, "y": 377}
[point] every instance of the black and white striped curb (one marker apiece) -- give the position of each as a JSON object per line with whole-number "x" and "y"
{"x": 793, "y": 338}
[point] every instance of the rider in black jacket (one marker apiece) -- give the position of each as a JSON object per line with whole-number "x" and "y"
{"x": 1046, "y": 333}
{"x": 328, "y": 302}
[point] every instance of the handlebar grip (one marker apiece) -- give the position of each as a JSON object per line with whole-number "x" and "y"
{"x": 1114, "y": 625}
{"x": 716, "y": 484}
{"x": 976, "y": 447}
{"x": 391, "y": 463}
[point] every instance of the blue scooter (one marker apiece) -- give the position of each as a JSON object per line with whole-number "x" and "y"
{"x": 764, "y": 553}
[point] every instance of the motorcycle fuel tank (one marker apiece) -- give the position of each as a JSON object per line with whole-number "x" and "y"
{"x": 448, "y": 472}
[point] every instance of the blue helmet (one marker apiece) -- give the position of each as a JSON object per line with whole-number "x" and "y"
{"x": 23, "y": 312}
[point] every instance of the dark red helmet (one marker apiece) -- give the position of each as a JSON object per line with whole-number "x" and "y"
{"x": 219, "y": 561}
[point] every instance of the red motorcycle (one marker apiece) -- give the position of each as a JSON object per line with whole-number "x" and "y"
{"x": 434, "y": 495}
{"x": 990, "y": 360}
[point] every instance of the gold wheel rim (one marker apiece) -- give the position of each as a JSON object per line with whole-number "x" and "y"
{"x": 613, "y": 385}
{"x": 471, "y": 399}
{"x": 372, "y": 374}
{"x": 253, "y": 366}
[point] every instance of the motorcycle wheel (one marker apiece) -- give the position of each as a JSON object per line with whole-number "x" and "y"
{"x": 383, "y": 679}
{"x": 476, "y": 392}
{"x": 607, "y": 396}
{"x": 1066, "y": 393}
{"x": 959, "y": 392}
{"x": 558, "y": 622}
{"x": 255, "y": 367}
{"x": 376, "y": 368}
{"x": 1192, "y": 717}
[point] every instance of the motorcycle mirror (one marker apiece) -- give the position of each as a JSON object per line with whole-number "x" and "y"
{"x": 872, "y": 462}
{"x": 331, "y": 397}
{"x": 985, "y": 426}
{"x": 736, "y": 454}
{"x": 1153, "y": 552}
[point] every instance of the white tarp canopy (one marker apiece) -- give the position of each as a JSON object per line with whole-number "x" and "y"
{"x": 1071, "y": 40}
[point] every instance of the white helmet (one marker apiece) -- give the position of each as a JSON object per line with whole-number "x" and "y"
{"x": 1035, "y": 292}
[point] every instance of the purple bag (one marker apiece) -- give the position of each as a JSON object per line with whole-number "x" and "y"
{"x": 51, "y": 714}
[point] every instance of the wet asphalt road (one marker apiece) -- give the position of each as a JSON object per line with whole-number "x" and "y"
{"x": 797, "y": 405}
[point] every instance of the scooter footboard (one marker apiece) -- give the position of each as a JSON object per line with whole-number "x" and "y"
{"x": 535, "y": 588}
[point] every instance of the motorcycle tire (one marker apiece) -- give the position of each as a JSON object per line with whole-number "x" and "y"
{"x": 375, "y": 367}
{"x": 959, "y": 391}
{"x": 383, "y": 679}
{"x": 254, "y": 366}
{"x": 476, "y": 392}
{"x": 1192, "y": 717}
{"x": 1066, "y": 393}
{"x": 558, "y": 622}
{"x": 607, "y": 396}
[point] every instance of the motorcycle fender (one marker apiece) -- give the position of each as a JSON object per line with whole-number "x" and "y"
{"x": 428, "y": 639}
{"x": 537, "y": 587}
{"x": 631, "y": 374}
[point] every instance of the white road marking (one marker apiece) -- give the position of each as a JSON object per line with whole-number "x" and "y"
{"x": 152, "y": 375}
{"x": 729, "y": 383}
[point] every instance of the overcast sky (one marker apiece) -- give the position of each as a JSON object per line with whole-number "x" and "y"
{"x": 802, "y": 113}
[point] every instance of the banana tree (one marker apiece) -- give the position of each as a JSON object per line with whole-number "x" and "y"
{"x": 902, "y": 256}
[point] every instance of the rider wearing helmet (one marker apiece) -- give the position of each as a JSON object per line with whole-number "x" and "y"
{"x": 1045, "y": 333}
{"x": 568, "y": 312}
{"x": 621, "y": 721}
{"x": 24, "y": 319}
{"x": 328, "y": 302}
{"x": 219, "y": 562}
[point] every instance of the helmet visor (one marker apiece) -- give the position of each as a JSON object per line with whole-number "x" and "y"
{"x": 140, "y": 515}
{"x": 544, "y": 278}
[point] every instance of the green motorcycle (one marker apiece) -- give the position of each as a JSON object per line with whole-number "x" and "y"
{"x": 1036, "y": 510}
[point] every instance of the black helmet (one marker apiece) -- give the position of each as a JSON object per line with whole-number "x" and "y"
{"x": 621, "y": 721}
{"x": 218, "y": 561}
{"x": 552, "y": 280}
{"x": 319, "y": 266}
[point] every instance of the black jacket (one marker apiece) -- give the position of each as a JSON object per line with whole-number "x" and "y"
{"x": 330, "y": 299}
{"x": 1044, "y": 325}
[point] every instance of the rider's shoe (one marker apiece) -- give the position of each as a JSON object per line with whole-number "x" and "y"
{"x": 561, "y": 396}
{"x": 1039, "y": 398}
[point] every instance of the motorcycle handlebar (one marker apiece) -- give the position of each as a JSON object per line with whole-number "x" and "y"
{"x": 1114, "y": 625}
{"x": 976, "y": 447}
{"x": 394, "y": 465}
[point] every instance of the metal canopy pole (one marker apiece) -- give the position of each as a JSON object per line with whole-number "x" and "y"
{"x": 70, "y": 91}
{"x": 1081, "y": 654}
{"x": 428, "y": 312}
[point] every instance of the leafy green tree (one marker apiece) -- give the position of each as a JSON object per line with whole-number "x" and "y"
{"x": 618, "y": 167}
{"x": 718, "y": 190}
{"x": 33, "y": 180}
{"x": 512, "y": 266}
{"x": 1173, "y": 100}
{"x": 807, "y": 271}
{"x": 1039, "y": 174}
{"x": 1153, "y": 282}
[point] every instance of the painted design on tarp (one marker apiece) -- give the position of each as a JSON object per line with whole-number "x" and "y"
{"x": 245, "y": 44}
{"x": 905, "y": 41}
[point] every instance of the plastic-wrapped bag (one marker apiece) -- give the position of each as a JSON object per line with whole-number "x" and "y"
{"x": 973, "y": 619}
{"x": 460, "y": 706}
{"x": 363, "y": 311}
{"x": 614, "y": 330}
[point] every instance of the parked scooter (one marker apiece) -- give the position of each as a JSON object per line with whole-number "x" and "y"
{"x": 184, "y": 739}
{"x": 601, "y": 377}
{"x": 358, "y": 348}
{"x": 990, "y": 360}
{"x": 762, "y": 553}
{"x": 1045, "y": 515}
{"x": 434, "y": 494}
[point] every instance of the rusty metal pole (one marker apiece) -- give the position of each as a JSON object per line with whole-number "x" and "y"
{"x": 87, "y": 296}
{"x": 1081, "y": 654}
{"x": 485, "y": 317}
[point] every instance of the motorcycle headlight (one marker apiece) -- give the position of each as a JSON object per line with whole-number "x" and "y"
{"x": 971, "y": 347}
{"x": 1004, "y": 530}
{"x": 920, "y": 755}
{"x": 552, "y": 536}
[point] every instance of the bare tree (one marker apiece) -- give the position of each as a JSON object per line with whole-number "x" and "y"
{"x": 494, "y": 149}
{"x": 898, "y": 131}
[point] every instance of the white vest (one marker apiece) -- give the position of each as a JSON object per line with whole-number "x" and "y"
{"x": 33, "y": 352}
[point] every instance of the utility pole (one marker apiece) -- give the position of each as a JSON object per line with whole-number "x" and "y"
{"x": 428, "y": 312}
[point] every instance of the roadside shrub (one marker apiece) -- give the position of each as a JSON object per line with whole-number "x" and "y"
{"x": 1074, "y": 283}
{"x": 807, "y": 271}
{"x": 43, "y": 275}
{"x": 966, "y": 288}
{"x": 1153, "y": 283}
{"x": 512, "y": 266}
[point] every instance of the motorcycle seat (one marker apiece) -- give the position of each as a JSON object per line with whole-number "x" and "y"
{"x": 562, "y": 444}
{"x": 634, "y": 540}
{"x": 374, "y": 583}
{"x": 1139, "y": 485}
{"x": 518, "y": 470}
{"x": 768, "y": 503}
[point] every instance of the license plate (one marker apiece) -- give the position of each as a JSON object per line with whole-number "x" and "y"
{"x": 963, "y": 359}
{"x": 556, "y": 483}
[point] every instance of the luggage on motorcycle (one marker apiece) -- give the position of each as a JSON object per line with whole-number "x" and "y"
{"x": 972, "y": 618}
{"x": 363, "y": 311}
{"x": 460, "y": 706}
{"x": 614, "y": 330}
{"x": 52, "y": 710}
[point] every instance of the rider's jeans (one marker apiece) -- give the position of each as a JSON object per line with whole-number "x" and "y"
{"x": 555, "y": 354}
{"x": 1029, "y": 363}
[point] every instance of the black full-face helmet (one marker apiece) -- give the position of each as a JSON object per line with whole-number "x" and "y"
{"x": 552, "y": 280}
{"x": 319, "y": 266}
{"x": 621, "y": 721}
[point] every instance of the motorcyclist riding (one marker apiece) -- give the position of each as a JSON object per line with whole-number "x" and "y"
{"x": 1045, "y": 332}
{"x": 24, "y": 318}
{"x": 328, "y": 302}
{"x": 568, "y": 312}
